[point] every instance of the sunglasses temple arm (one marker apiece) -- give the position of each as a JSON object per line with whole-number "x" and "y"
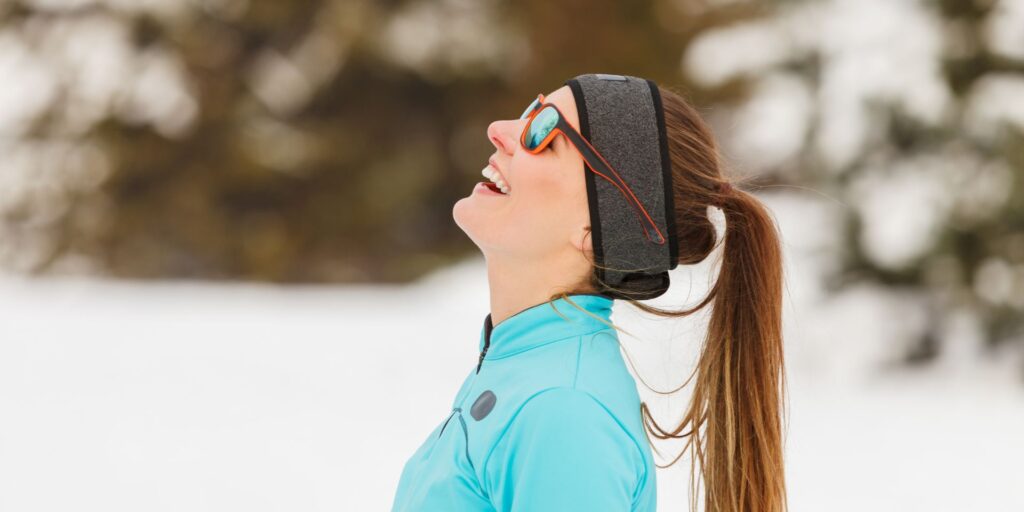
{"x": 584, "y": 147}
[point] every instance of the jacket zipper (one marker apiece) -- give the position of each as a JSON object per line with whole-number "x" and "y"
{"x": 488, "y": 327}
{"x": 482, "y": 354}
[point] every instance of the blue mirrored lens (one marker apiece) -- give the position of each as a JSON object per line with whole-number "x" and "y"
{"x": 529, "y": 109}
{"x": 541, "y": 126}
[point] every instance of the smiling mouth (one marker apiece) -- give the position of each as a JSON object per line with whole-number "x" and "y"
{"x": 494, "y": 176}
{"x": 493, "y": 187}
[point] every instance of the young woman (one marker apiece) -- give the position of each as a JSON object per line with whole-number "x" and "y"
{"x": 596, "y": 192}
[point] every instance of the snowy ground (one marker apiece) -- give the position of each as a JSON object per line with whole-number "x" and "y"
{"x": 189, "y": 396}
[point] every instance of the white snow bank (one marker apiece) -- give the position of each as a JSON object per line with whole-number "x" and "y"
{"x": 190, "y": 396}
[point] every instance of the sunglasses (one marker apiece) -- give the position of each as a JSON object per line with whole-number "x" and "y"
{"x": 545, "y": 122}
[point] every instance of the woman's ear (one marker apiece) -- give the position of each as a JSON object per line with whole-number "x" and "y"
{"x": 583, "y": 241}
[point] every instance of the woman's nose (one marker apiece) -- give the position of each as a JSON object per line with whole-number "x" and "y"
{"x": 502, "y": 136}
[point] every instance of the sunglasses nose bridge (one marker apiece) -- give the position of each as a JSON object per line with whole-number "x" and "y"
{"x": 531, "y": 108}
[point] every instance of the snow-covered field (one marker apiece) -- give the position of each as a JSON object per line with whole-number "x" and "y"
{"x": 120, "y": 396}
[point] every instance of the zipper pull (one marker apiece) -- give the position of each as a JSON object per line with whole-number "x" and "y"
{"x": 487, "y": 340}
{"x": 482, "y": 354}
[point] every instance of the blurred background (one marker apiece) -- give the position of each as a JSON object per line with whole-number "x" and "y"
{"x": 231, "y": 280}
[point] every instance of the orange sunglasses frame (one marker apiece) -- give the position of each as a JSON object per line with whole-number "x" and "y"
{"x": 650, "y": 227}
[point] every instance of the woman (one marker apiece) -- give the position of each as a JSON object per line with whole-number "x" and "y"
{"x": 594, "y": 194}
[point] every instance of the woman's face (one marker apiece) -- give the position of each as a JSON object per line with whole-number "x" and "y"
{"x": 545, "y": 212}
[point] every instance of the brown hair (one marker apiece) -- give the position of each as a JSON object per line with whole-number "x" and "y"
{"x": 734, "y": 418}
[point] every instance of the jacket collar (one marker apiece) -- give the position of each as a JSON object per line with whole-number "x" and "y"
{"x": 541, "y": 324}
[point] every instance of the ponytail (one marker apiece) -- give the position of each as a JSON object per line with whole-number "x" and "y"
{"x": 741, "y": 373}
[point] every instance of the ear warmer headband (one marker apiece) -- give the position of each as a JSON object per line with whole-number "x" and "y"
{"x": 622, "y": 117}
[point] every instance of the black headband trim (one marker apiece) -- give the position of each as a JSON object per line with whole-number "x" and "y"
{"x": 666, "y": 170}
{"x": 595, "y": 217}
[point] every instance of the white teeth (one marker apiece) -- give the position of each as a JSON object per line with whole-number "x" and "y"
{"x": 496, "y": 178}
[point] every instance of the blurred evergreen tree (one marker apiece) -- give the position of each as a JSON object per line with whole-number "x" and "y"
{"x": 293, "y": 141}
{"x": 908, "y": 113}
{"x": 326, "y": 140}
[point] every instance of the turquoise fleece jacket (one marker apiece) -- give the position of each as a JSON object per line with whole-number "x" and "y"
{"x": 547, "y": 420}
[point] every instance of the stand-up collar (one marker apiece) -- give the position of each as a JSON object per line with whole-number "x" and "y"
{"x": 544, "y": 323}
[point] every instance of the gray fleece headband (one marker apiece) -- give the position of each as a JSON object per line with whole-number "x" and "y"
{"x": 622, "y": 118}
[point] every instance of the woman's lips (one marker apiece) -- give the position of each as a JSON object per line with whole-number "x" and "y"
{"x": 494, "y": 175}
{"x": 484, "y": 187}
{"x": 494, "y": 166}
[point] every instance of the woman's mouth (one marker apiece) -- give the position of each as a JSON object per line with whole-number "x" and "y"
{"x": 488, "y": 188}
{"x": 496, "y": 178}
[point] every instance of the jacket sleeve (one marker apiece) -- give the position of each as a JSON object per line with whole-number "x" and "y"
{"x": 563, "y": 451}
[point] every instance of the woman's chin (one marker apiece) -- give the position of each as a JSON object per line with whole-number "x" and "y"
{"x": 471, "y": 219}
{"x": 461, "y": 210}
{"x": 467, "y": 216}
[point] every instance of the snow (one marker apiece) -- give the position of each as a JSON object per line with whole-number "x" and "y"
{"x": 870, "y": 52}
{"x": 1003, "y": 34}
{"x": 123, "y": 396}
{"x": 994, "y": 100}
{"x": 780, "y": 100}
